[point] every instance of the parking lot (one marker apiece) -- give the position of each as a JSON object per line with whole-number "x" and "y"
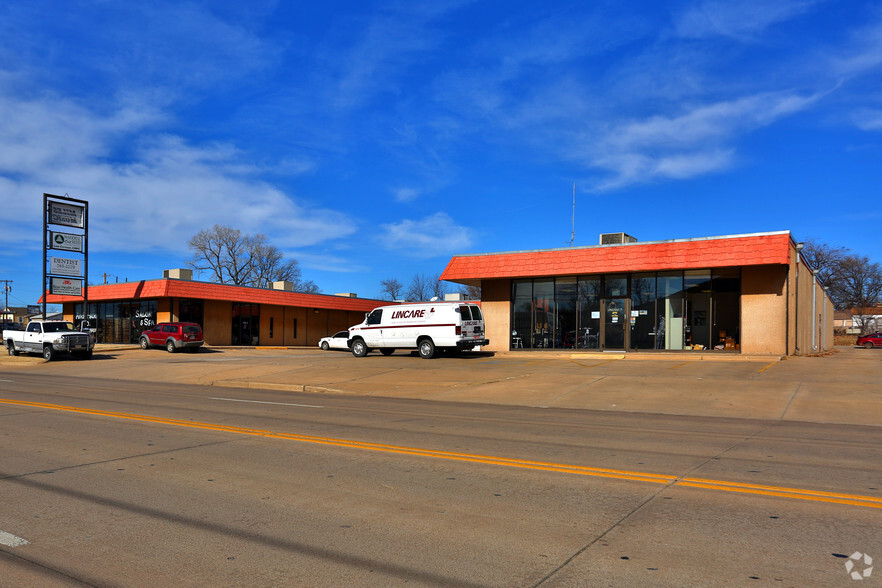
{"x": 842, "y": 387}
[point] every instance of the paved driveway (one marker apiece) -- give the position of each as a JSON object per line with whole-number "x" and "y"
{"x": 839, "y": 388}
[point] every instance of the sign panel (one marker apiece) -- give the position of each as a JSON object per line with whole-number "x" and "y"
{"x": 66, "y": 287}
{"x": 69, "y": 215}
{"x": 33, "y": 309}
{"x": 66, "y": 242}
{"x": 66, "y": 267}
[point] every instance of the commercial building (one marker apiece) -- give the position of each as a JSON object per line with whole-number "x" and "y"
{"x": 229, "y": 315}
{"x": 751, "y": 294}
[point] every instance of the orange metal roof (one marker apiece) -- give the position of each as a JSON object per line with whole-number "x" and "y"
{"x": 171, "y": 288}
{"x": 728, "y": 251}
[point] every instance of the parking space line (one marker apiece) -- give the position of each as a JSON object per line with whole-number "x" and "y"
{"x": 680, "y": 365}
{"x": 669, "y": 480}
{"x": 767, "y": 367}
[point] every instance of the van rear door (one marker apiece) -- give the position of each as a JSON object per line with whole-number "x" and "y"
{"x": 472, "y": 322}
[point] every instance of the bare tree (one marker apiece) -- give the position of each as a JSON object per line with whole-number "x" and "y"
{"x": 855, "y": 282}
{"x": 858, "y": 286}
{"x": 244, "y": 260}
{"x": 825, "y": 259}
{"x": 470, "y": 292}
{"x": 420, "y": 288}
{"x": 391, "y": 288}
{"x": 439, "y": 287}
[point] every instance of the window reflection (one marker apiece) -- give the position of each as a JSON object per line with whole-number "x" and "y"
{"x": 696, "y": 309}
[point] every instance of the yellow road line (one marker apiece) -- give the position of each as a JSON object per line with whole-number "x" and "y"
{"x": 797, "y": 493}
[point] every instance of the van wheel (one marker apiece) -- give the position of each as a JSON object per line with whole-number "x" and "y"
{"x": 387, "y": 351}
{"x": 359, "y": 348}
{"x": 427, "y": 349}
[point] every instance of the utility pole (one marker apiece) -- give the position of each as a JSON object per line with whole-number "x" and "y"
{"x": 6, "y": 290}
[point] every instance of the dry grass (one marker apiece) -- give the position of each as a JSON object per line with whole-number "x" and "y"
{"x": 845, "y": 340}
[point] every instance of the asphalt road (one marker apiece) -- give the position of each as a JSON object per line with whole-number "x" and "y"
{"x": 122, "y": 483}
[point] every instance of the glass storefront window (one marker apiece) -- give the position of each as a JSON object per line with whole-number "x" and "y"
{"x": 544, "y": 314}
{"x": 246, "y": 324}
{"x": 589, "y": 313}
{"x": 190, "y": 311}
{"x": 642, "y": 317}
{"x": 698, "y": 305}
{"x": 669, "y": 324}
{"x": 521, "y": 320}
{"x": 615, "y": 286}
{"x": 726, "y": 308}
{"x": 118, "y": 322}
{"x": 566, "y": 325}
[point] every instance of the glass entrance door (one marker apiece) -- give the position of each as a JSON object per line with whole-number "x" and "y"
{"x": 615, "y": 318}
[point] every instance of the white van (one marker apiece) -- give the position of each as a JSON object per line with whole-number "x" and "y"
{"x": 426, "y": 326}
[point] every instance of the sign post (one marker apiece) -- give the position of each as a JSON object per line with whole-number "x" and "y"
{"x": 66, "y": 277}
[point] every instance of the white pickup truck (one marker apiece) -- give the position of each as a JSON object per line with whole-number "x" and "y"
{"x": 49, "y": 338}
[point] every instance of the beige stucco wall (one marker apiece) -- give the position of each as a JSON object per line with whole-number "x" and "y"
{"x": 218, "y": 322}
{"x": 764, "y": 309}
{"x": 805, "y": 324}
{"x": 496, "y": 305}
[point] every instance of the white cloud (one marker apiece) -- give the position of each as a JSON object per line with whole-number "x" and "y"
{"x": 737, "y": 18}
{"x": 691, "y": 144}
{"x": 406, "y": 194}
{"x": 434, "y": 236}
{"x": 162, "y": 193}
{"x": 868, "y": 120}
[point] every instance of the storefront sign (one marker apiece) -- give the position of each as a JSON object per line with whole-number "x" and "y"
{"x": 66, "y": 287}
{"x": 33, "y": 309}
{"x": 69, "y": 215}
{"x": 66, "y": 242}
{"x": 66, "y": 267}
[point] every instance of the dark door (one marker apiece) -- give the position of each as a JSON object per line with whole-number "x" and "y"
{"x": 614, "y": 322}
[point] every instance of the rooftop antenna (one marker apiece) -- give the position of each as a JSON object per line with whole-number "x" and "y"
{"x": 573, "y": 234}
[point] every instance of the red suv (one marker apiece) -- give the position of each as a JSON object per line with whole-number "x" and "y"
{"x": 870, "y": 341}
{"x": 173, "y": 336}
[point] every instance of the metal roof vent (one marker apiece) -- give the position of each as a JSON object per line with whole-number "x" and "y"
{"x": 178, "y": 274}
{"x": 616, "y": 238}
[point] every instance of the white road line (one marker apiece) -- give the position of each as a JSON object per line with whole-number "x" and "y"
{"x": 262, "y": 402}
{"x": 12, "y": 381}
{"x": 11, "y": 540}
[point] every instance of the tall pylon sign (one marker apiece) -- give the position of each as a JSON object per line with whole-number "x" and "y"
{"x": 66, "y": 276}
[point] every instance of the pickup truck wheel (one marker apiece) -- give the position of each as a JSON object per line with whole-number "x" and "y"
{"x": 144, "y": 343}
{"x": 387, "y": 351}
{"x": 359, "y": 348}
{"x": 170, "y": 347}
{"x": 12, "y": 351}
{"x": 48, "y": 353}
{"x": 427, "y": 349}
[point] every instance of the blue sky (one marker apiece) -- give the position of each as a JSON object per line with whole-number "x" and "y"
{"x": 372, "y": 140}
